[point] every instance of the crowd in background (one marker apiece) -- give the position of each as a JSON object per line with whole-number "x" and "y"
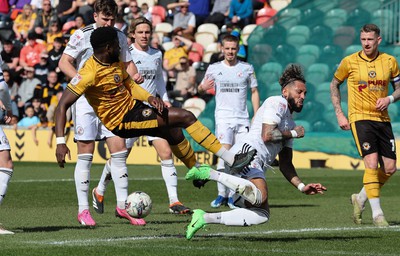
{"x": 34, "y": 33}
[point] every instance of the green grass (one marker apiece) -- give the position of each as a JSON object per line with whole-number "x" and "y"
{"x": 41, "y": 209}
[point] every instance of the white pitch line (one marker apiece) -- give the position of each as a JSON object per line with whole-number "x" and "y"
{"x": 81, "y": 242}
{"x": 71, "y": 180}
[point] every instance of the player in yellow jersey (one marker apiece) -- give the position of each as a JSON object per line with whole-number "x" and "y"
{"x": 368, "y": 73}
{"x": 117, "y": 101}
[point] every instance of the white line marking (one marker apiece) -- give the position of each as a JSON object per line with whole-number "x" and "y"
{"x": 81, "y": 242}
{"x": 71, "y": 180}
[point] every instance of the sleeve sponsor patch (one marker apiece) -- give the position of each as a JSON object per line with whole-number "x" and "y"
{"x": 77, "y": 78}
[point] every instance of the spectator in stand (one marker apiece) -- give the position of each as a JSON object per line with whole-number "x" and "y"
{"x": 54, "y": 32}
{"x": 48, "y": 92}
{"x": 55, "y": 55}
{"x": 134, "y": 12}
{"x": 66, "y": 10}
{"x": 172, "y": 56}
{"x": 144, "y": 9}
{"x": 30, "y": 53}
{"x": 24, "y": 23}
{"x": 156, "y": 43}
{"x": 43, "y": 18}
{"x": 241, "y": 12}
{"x": 219, "y": 13}
{"x": 86, "y": 10}
{"x": 18, "y": 4}
{"x": 4, "y": 10}
{"x": 42, "y": 68}
{"x": 13, "y": 90}
{"x": 121, "y": 24}
{"x": 29, "y": 121}
{"x": 79, "y": 23}
{"x": 10, "y": 56}
{"x": 185, "y": 85}
{"x": 38, "y": 108}
{"x": 200, "y": 9}
{"x": 26, "y": 89}
{"x": 182, "y": 17}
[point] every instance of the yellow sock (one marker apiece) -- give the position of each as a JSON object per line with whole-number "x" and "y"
{"x": 185, "y": 153}
{"x": 371, "y": 183}
{"x": 204, "y": 137}
{"x": 383, "y": 177}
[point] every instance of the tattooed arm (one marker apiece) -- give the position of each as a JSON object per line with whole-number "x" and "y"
{"x": 335, "y": 98}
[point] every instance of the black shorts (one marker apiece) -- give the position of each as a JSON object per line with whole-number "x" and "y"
{"x": 374, "y": 137}
{"x": 140, "y": 120}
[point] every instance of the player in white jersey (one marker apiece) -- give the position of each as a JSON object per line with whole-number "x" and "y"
{"x": 232, "y": 80}
{"x": 6, "y": 163}
{"x": 148, "y": 60}
{"x": 272, "y": 133}
{"x": 88, "y": 127}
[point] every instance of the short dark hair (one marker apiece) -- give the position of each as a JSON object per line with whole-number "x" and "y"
{"x": 230, "y": 38}
{"x": 371, "y": 28}
{"x": 102, "y": 36}
{"x": 292, "y": 73}
{"x": 107, "y": 7}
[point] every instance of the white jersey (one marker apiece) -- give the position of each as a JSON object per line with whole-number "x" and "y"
{"x": 231, "y": 87}
{"x": 80, "y": 48}
{"x": 5, "y": 98}
{"x": 4, "y": 93}
{"x": 274, "y": 110}
{"x": 149, "y": 65}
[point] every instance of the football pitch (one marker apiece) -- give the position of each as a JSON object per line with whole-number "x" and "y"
{"x": 41, "y": 209}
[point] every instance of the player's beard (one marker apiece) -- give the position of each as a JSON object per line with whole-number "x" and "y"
{"x": 293, "y": 106}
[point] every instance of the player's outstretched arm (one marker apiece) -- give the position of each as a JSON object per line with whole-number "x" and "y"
{"x": 67, "y": 99}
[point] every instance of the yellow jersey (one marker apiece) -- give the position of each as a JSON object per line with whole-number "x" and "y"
{"x": 367, "y": 80}
{"x": 109, "y": 90}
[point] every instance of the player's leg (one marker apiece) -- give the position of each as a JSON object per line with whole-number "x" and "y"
{"x": 85, "y": 131}
{"x": 99, "y": 191}
{"x": 169, "y": 174}
{"x": 236, "y": 217}
{"x": 82, "y": 181}
{"x": 181, "y": 118}
{"x": 119, "y": 174}
{"x": 225, "y": 134}
{"x": 6, "y": 172}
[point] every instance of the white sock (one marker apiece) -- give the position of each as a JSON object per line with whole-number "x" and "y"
{"x": 226, "y": 155}
{"x": 233, "y": 183}
{"x": 170, "y": 177}
{"x": 238, "y": 217}
{"x": 5, "y": 176}
{"x": 376, "y": 207}
{"x": 82, "y": 180}
{"x": 222, "y": 190}
{"x": 119, "y": 173}
{"x": 104, "y": 179}
{"x": 362, "y": 197}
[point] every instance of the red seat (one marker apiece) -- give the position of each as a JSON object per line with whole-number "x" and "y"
{"x": 196, "y": 52}
{"x": 265, "y": 14}
{"x": 158, "y": 14}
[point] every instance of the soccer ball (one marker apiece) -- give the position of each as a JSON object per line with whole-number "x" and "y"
{"x": 138, "y": 204}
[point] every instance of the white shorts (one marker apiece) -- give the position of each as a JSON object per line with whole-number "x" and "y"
{"x": 229, "y": 133}
{"x": 129, "y": 142}
{"x": 87, "y": 126}
{"x": 4, "y": 144}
